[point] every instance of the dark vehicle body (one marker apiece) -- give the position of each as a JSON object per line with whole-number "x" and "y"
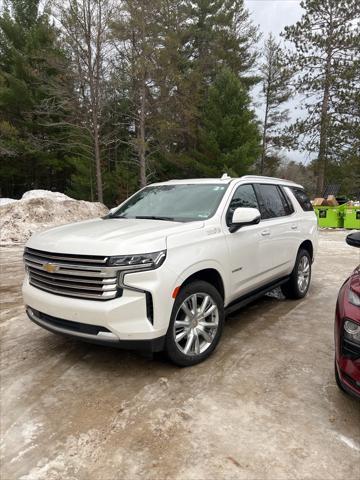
{"x": 347, "y": 330}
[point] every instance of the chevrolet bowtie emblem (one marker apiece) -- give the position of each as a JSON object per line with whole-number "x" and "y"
{"x": 50, "y": 267}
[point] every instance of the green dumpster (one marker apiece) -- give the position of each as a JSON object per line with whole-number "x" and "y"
{"x": 352, "y": 217}
{"x": 330, "y": 217}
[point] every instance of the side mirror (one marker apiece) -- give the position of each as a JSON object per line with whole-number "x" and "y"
{"x": 244, "y": 216}
{"x": 353, "y": 239}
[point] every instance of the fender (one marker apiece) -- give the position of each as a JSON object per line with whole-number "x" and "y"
{"x": 203, "y": 265}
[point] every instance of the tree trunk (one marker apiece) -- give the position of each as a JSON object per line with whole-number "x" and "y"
{"x": 263, "y": 153}
{"x": 141, "y": 138}
{"x": 324, "y": 123}
{"x": 322, "y": 160}
{"x": 99, "y": 187}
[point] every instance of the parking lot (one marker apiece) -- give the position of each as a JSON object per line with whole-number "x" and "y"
{"x": 264, "y": 406}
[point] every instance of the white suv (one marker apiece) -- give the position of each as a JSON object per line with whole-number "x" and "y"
{"x": 162, "y": 269}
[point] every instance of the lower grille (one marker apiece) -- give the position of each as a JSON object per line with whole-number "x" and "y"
{"x": 350, "y": 349}
{"x": 72, "y": 276}
{"x": 350, "y": 380}
{"x": 70, "y": 325}
{"x": 149, "y": 307}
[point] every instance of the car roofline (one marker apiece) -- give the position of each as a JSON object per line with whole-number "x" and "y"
{"x": 228, "y": 180}
{"x": 273, "y": 180}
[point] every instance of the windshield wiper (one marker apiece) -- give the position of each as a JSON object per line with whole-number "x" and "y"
{"x": 109, "y": 215}
{"x": 142, "y": 217}
{"x": 153, "y": 217}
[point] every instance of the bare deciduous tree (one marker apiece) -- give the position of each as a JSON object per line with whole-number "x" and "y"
{"x": 275, "y": 82}
{"x": 136, "y": 38}
{"x": 86, "y": 26}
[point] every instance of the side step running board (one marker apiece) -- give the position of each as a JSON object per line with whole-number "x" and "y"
{"x": 250, "y": 297}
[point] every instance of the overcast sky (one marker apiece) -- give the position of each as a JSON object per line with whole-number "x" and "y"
{"x": 273, "y": 16}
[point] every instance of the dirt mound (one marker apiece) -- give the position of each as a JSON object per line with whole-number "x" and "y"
{"x": 34, "y": 212}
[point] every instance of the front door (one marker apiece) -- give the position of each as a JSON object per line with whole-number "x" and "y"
{"x": 243, "y": 245}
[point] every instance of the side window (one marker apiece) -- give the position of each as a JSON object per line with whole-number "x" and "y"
{"x": 302, "y": 198}
{"x": 271, "y": 202}
{"x": 289, "y": 207}
{"x": 244, "y": 196}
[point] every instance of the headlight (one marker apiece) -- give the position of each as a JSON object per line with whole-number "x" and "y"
{"x": 354, "y": 298}
{"x": 146, "y": 261}
{"x": 352, "y": 331}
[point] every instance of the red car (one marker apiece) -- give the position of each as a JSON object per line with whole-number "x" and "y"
{"x": 347, "y": 330}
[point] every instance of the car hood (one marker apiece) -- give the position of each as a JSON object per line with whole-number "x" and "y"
{"x": 111, "y": 236}
{"x": 355, "y": 280}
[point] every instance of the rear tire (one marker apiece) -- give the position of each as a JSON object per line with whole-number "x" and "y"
{"x": 298, "y": 284}
{"x": 196, "y": 324}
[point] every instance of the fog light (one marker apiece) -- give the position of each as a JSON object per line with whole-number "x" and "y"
{"x": 352, "y": 330}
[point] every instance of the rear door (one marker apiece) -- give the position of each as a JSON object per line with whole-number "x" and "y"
{"x": 278, "y": 235}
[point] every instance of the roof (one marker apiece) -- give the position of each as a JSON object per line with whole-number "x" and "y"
{"x": 196, "y": 181}
{"x": 280, "y": 181}
{"x": 226, "y": 180}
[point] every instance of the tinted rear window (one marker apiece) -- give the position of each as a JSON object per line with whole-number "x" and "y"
{"x": 302, "y": 198}
{"x": 271, "y": 202}
{"x": 289, "y": 208}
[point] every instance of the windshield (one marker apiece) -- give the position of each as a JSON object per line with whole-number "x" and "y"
{"x": 178, "y": 202}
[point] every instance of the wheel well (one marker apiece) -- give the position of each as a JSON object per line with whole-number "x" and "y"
{"x": 307, "y": 245}
{"x": 209, "y": 275}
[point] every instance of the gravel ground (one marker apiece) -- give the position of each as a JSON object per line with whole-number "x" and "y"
{"x": 264, "y": 406}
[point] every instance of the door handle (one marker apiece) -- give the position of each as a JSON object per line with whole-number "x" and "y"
{"x": 265, "y": 233}
{"x": 294, "y": 227}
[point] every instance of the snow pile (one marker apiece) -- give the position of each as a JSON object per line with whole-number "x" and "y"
{"x": 40, "y": 209}
{"x": 60, "y": 197}
{"x": 4, "y": 200}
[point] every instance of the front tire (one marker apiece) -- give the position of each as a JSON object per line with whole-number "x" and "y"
{"x": 196, "y": 324}
{"x": 298, "y": 284}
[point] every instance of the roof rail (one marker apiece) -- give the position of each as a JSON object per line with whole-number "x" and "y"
{"x": 258, "y": 177}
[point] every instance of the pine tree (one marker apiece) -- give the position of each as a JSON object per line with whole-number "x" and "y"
{"x": 220, "y": 34}
{"x": 137, "y": 33}
{"x": 275, "y": 82}
{"x": 326, "y": 41}
{"x": 229, "y": 134}
{"x": 344, "y": 138}
{"x": 212, "y": 35}
{"x": 168, "y": 55}
{"x": 32, "y": 75}
{"x": 124, "y": 92}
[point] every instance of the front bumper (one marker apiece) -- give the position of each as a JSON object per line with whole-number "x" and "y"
{"x": 347, "y": 352}
{"x": 126, "y": 317}
{"x": 348, "y": 382}
{"x": 92, "y": 333}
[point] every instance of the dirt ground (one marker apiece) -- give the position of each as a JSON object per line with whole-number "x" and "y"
{"x": 264, "y": 406}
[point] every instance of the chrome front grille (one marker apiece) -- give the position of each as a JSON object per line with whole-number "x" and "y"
{"x": 77, "y": 276}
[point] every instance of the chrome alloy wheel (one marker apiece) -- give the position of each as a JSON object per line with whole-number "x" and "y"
{"x": 303, "y": 274}
{"x": 196, "y": 324}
